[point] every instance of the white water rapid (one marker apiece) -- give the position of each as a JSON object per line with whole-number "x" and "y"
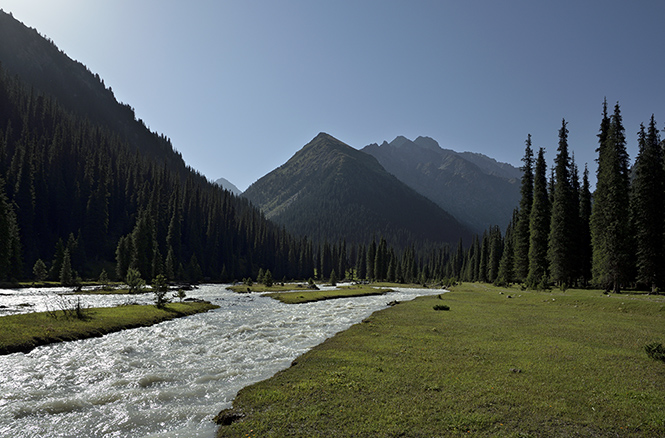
{"x": 167, "y": 380}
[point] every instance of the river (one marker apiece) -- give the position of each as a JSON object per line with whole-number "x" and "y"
{"x": 167, "y": 380}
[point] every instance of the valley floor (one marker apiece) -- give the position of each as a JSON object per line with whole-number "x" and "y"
{"x": 500, "y": 362}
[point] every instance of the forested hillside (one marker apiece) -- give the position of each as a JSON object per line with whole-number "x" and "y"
{"x": 46, "y": 69}
{"x": 74, "y": 189}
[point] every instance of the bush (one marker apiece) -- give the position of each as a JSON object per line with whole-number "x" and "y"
{"x": 180, "y": 294}
{"x": 441, "y": 307}
{"x": 655, "y": 351}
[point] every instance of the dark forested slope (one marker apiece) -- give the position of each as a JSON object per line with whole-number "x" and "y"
{"x": 329, "y": 190}
{"x": 83, "y": 184}
{"x": 46, "y": 69}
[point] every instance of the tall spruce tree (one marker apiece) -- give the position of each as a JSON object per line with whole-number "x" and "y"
{"x": 561, "y": 250}
{"x": 522, "y": 225}
{"x": 610, "y": 224}
{"x": 507, "y": 265}
{"x": 9, "y": 238}
{"x": 495, "y": 254}
{"x": 584, "y": 231}
{"x": 539, "y": 228}
{"x": 648, "y": 207}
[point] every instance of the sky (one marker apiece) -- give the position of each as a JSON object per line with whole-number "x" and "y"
{"x": 240, "y": 86}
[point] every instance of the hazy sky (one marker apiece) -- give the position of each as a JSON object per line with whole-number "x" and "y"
{"x": 240, "y": 86}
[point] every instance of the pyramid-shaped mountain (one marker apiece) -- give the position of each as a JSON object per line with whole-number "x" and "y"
{"x": 477, "y": 190}
{"x": 329, "y": 190}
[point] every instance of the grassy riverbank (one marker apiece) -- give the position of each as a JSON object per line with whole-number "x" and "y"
{"x": 27, "y": 331}
{"x": 500, "y": 362}
{"x": 257, "y": 287}
{"x": 308, "y": 296}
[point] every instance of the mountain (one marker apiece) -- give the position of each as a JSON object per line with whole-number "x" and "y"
{"x": 83, "y": 184}
{"x": 329, "y": 190}
{"x": 475, "y": 189}
{"x": 228, "y": 185}
{"x": 39, "y": 63}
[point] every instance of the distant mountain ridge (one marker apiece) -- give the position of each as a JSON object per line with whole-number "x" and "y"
{"x": 329, "y": 190}
{"x": 228, "y": 185}
{"x": 475, "y": 189}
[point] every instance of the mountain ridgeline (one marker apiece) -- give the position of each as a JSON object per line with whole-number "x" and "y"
{"x": 331, "y": 191}
{"x": 475, "y": 189}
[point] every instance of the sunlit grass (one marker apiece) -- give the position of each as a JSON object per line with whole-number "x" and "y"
{"x": 307, "y": 296}
{"x": 26, "y": 331}
{"x": 500, "y": 362}
{"x": 257, "y": 287}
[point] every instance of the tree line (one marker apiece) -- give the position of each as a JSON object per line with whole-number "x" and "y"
{"x": 562, "y": 235}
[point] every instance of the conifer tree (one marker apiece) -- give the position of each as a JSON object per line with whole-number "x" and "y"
{"x": 483, "y": 260}
{"x": 584, "y": 231}
{"x": 561, "y": 249}
{"x": 506, "y": 266}
{"x": 648, "y": 207}
{"x": 539, "y": 226}
{"x": 371, "y": 255}
{"x": 39, "y": 270}
{"x": 522, "y": 224}
{"x": 56, "y": 264}
{"x": 66, "y": 273}
{"x": 5, "y": 235}
{"x": 333, "y": 278}
{"x": 495, "y": 254}
{"x": 610, "y": 224}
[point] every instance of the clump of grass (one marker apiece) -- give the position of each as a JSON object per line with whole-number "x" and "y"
{"x": 655, "y": 351}
{"x": 441, "y": 307}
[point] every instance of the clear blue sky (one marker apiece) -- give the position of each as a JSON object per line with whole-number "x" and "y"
{"x": 240, "y": 86}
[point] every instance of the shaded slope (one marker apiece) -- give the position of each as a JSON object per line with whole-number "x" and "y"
{"x": 91, "y": 188}
{"x": 24, "y": 52}
{"x": 475, "y": 189}
{"x": 329, "y": 190}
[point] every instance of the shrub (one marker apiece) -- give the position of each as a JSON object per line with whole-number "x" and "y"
{"x": 441, "y": 307}
{"x": 655, "y": 351}
{"x": 180, "y": 294}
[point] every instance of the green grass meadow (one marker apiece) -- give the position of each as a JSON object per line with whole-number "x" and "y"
{"x": 500, "y": 362}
